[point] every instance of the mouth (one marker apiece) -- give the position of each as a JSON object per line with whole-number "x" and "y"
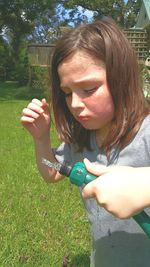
{"x": 82, "y": 118}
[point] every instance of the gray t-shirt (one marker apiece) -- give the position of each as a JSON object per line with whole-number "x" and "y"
{"x": 116, "y": 243}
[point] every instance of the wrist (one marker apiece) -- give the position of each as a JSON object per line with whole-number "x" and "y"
{"x": 42, "y": 141}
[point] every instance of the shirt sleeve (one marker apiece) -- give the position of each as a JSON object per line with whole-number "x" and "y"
{"x": 63, "y": 154}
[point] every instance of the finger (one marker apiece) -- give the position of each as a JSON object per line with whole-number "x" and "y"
{"x": 37, "y": 102}
{"x": 89, "y": 190}
{"x": 44, "y": 102}
{"x": 94, "y": 168}
{"x": 45, "y": 105}
{"x": 26, "y": 120}
{"x": 35, "y": 107}
{"x": 30, "y": 113}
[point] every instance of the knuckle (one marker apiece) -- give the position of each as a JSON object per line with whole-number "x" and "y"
{"x": 122, "y": 215}
{"x": 117, "y": 213}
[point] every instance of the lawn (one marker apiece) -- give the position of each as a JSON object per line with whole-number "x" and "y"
{"x": 41, "y": 225}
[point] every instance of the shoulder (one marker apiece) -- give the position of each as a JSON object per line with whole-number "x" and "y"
{"x": 143, "y": 135}
{"x": 146, "y": 121}
{"x": 62, "y": 152}
{"x": 71, "y": 153}
{"x": 67, "y": 153}
{"x": 137, "y": 152}
{"x": 145, "y": 126}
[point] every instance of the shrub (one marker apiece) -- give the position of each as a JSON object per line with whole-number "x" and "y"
{"x": 21, "y": 71}
{"x": 39, "y": 80}
{"x": 145, "y": 76}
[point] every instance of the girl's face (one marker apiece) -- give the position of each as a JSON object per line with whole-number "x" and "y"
{"x": 83, "y": 80}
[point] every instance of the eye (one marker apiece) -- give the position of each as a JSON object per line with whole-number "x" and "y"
{"x": 90, "y": 91}
{"x": 68, "y": 94}
{"x": 66, "y": 91}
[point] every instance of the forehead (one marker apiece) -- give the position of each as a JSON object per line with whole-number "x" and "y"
{"x": 80, "y": 58}
{"x": 79, "y": 65}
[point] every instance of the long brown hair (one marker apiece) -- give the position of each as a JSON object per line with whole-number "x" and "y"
{"x": 105, "y": 41}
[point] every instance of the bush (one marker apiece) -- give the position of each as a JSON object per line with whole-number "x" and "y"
{"x": 13, "y": 69}
{"x": 2, "y": 73}
{"x": 21, "y": 71}
{"x": 39, "y": 80}
{"x": 4, "y": 59}
{"x": 145, "y": 76}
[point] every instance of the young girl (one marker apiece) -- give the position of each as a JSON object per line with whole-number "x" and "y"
{"x": 100, "y": 114}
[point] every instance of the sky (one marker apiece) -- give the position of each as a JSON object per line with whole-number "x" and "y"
{"x": 86, "y": 12}
{"x": 81, "y": 10}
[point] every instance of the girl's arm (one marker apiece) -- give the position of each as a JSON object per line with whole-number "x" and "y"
{"x": 122, "y": 191}
{"x": 36, "y": 119}
{"x": 43, "y": 150}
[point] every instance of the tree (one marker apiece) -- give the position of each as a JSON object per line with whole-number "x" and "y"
{"x": 123, "y": 12}
{"x": 18, "y": 19}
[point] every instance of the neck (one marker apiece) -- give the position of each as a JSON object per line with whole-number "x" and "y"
{"x": 101, "y": 135}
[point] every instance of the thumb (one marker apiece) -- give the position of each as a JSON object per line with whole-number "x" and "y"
{"x": 89, "y": 190}
{"x": 44, "y": 102}
{"x": 45, "y": 105}
{"x": 95, "y": 168}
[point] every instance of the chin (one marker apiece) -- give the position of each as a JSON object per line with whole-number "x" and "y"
{"x": 90, "y": 127}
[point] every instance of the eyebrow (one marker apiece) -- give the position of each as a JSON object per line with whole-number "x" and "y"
{"x": 83, "y": 82}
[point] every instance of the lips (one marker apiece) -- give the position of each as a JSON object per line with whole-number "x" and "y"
{"x": 82, "y": 118}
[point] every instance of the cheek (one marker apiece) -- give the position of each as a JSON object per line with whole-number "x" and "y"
{"x": 102, "y": 106}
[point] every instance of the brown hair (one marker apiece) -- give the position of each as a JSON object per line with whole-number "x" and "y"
{"x": 103, "y": 40}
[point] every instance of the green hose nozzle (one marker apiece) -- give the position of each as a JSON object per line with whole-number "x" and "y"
{"x": 79, "y": 176}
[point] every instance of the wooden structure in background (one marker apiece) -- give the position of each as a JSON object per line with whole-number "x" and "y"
{"x": 138, "y": 40}
{"x": 39, "y": 54}
{"x": 138, "y": 35}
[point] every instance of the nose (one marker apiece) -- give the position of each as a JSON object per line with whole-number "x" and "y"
{"x": 77, "y": 101}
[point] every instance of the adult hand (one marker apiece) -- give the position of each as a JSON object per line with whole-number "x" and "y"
{"x": 122, "y": 191}
{"x": 36, "y": 118}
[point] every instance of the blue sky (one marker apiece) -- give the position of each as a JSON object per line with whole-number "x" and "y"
{"x": 87, "y": 12}
{"x": 81, "y": 10}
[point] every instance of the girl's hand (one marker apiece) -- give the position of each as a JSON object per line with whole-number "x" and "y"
{"x": 122, "y": 191}
{"x": 36, "y": 118}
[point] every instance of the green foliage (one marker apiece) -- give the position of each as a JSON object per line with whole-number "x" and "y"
{"x": 14, "y": 71}
{"x": 36, "y": 20}
{"x": 5, "y": 60}
{"x": 39, "y": 80}
{"x": 2, "y": 73}
{"x": 21, "y": 71}
{"x": 145, "y": 74}
{"x": 11, "y": 90}
{"x": 123, "y": 12}
{"x": 148, "y": 37}
{"x": 3, "y": 54}
{"x": 18, "y": 20}
{"x": 145, "y": 77}
{"x": 20, "y": 16}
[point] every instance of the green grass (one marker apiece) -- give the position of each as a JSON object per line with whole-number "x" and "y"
{"x": 40, "y": 224}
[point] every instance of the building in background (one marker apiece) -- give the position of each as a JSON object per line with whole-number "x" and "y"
{"x": 143, "y": 19}
{"x": 138, "y": 35}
